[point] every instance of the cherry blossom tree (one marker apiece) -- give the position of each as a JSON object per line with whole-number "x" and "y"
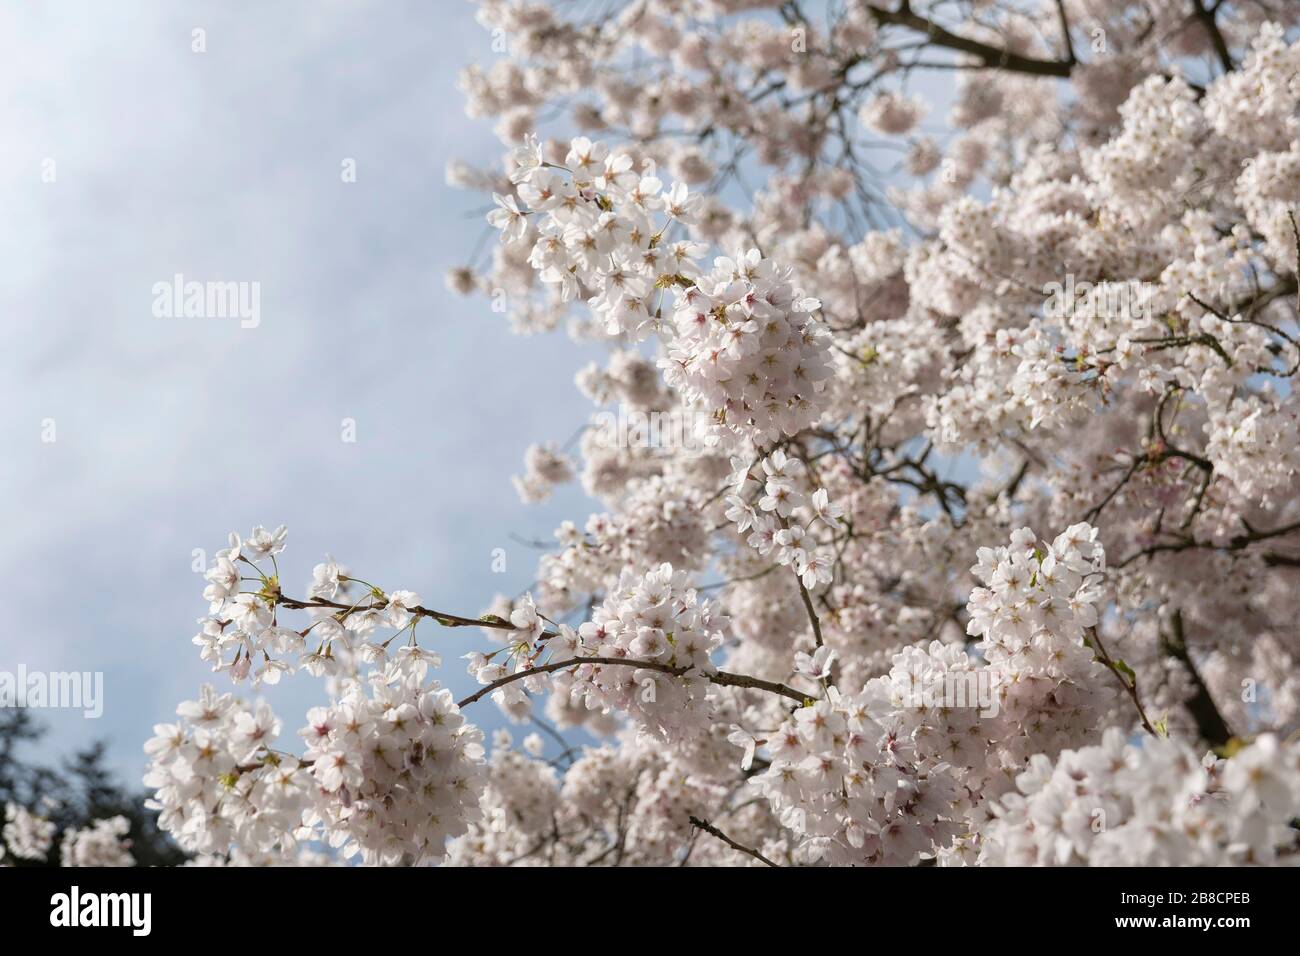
{"x": 946, "y": 465}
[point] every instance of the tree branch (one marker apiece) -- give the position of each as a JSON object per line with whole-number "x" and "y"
{"x": 1209, "y": 722}
{"x": 990, "y": 55}
{"x": 812, "y": 613}
{"x": 442, "y": 617}
{"x": 1129, "y": 682}
{"x": 1207, "y": 19}
{"x": 722, "y": 678}
{"x": 714, "y": 831}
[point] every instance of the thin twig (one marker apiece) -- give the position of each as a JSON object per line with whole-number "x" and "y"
{"x": 1130, "y": 683}
{"x": 442, "y": 617}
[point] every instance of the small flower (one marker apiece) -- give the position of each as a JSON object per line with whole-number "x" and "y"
{"x": 816, "y": 666}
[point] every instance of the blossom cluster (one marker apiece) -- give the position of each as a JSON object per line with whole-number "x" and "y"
{"x": 656, "y": 617}
{"x": 29, "y": 836}
{"x": 1032, "y": 617}
{"x": 888, "y": 774}
{"x": 1115, "y": 804}
{"x": 741, "y": 345}
{"x": 785, "y": 522}
{"x": 655, "y": 620}
{"x": 243, "y": 634}
{"x": 747, "y": 352}
{"x": 846, "y": 783}
{"x": 389, "y": 772}
{"x": 103, "y": 843}
{"x": 396, "y": 771}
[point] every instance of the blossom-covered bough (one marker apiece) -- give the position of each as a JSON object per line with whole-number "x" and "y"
{"x": 815, "y": 626}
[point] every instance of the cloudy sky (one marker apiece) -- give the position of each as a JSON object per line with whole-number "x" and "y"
{"x": 170, "y": 432}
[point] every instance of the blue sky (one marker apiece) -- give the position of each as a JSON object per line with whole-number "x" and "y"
{"x": 170, "y": 432}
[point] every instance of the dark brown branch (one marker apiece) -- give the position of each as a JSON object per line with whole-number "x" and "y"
{"x": 1295, "y": 231}
{"x": 1009, "y": 492}
{"x": 755, "y": 683}
{"x": 1207, "y": 20}
{"x": 1209, "y": 722}
{"x": 1238, "y": 543}
{"x": 991, "y": 56}
{"x": 721, "y": 678}
{"x": 714, "y": 831}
